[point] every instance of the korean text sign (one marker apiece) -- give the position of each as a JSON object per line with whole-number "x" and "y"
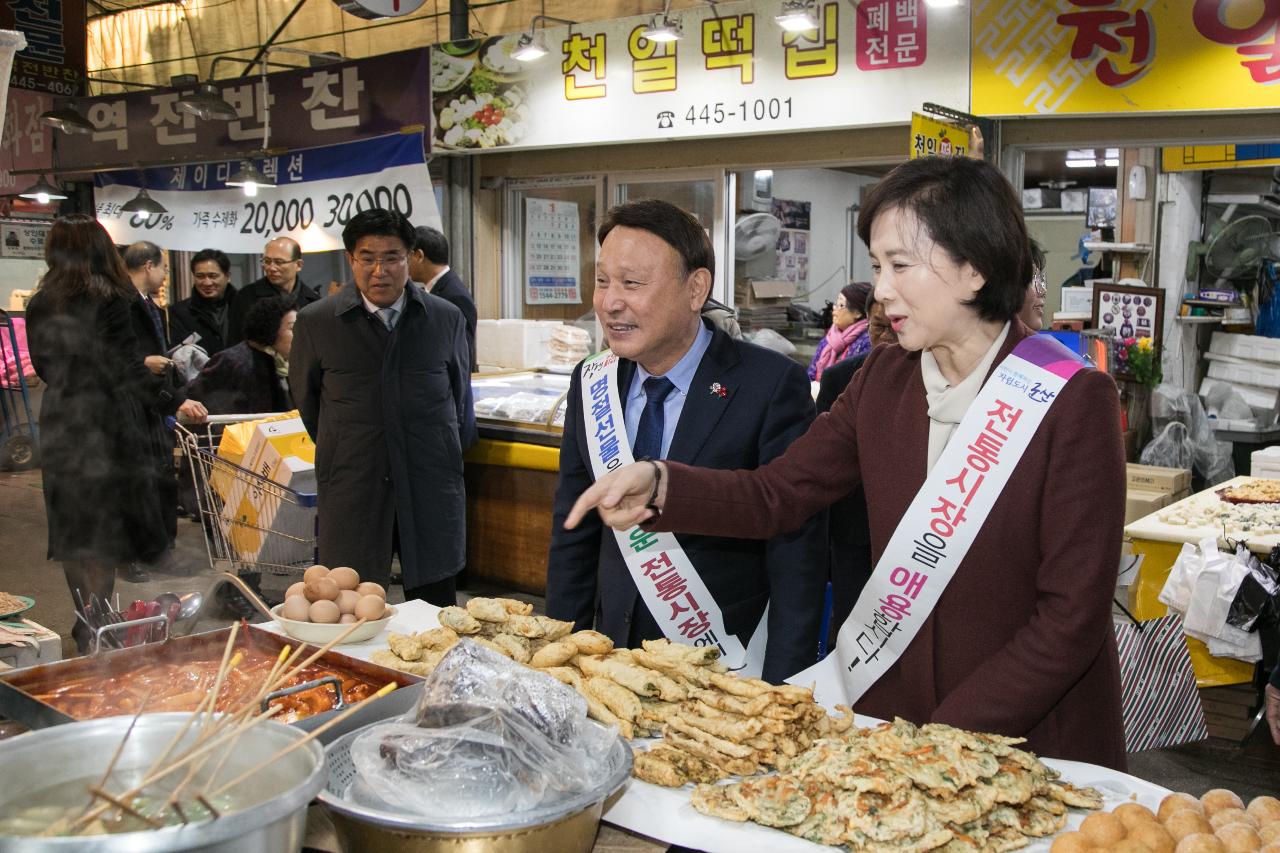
{"x": 735, "y": 71}
{"x": 306, "y": 108}
{"x": 317, "y": 192}
{"x": 54, "y": 59}
{"x": 1100, "y": 56}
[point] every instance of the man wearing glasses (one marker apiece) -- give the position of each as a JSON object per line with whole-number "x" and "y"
{"x": 381, "y": 375}
{"x": 281, "y": 263}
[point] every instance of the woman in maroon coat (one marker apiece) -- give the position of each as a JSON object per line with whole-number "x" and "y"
{"x": 1021, "y": 641}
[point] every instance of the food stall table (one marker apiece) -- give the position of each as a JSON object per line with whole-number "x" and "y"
{"x": 646, "y": 811}
{"x": 1159, "y": 543}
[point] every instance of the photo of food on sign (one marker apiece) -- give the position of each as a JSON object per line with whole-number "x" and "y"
{"x": 478, "y": 93}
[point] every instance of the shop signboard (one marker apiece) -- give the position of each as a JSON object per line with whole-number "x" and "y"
{"x": 25, "y": 143}
{"x": 317, "y": 192}
{"x": 551, "y": 260}
{"x": 735, "y": 71}
{"x": 929, "y": 136}
{"x": 23, "y": 238}
{"x": 1195, "y": 158}
{"x": 305, "y": 108}
{"x": 54, "y": 59}
{"x": 1080, "y": 57}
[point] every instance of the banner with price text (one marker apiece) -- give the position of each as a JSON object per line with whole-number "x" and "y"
{"x": 317, "y": 192}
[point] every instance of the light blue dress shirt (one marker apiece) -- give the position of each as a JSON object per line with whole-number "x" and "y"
{"x": 681, "y": 376}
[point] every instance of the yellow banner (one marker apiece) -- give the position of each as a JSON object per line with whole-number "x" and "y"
{"x": 1074, "y": 57}
{"x": 1193, "y": 158}
{"x": 930, "y": 136}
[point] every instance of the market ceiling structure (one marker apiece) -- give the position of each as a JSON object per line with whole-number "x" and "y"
{"x": 146, "y": 43}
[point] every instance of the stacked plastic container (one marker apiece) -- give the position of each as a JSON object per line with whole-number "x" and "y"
{"x": 1248, "y": 363}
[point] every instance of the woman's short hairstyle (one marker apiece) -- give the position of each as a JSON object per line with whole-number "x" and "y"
{"x": 967, "y": 208}
{"x": 673, "y": 225}
{"x": 856, "y": 296}
{"x": 262, "y": 322}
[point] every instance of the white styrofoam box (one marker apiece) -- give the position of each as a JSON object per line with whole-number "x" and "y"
{"x": 487, "y": 342}
{"x": 1077, "y": 300}
{"x": 1075, "y": 201}
{"x": 1253, "y": 347}
{"x": 1247, "y": 373}
{"x": 1265, "y": 463}
{"x": 1266, "y": 399}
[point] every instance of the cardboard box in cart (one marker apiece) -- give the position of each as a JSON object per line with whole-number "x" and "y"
{"x": 264, "y": 527}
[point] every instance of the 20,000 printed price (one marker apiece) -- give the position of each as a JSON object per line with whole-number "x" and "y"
{"x": 265, "y": 217}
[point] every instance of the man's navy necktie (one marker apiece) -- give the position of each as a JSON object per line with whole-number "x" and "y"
{"x": 157, "y": 321}
{"x": 653, "y": 419}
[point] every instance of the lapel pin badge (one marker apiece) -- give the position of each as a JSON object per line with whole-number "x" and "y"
{"x": 718, "y": 389}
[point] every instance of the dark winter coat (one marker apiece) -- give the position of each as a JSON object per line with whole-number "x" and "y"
{"x": 390, "y": 413}
{"x": 303, "y": 295}
{"x": 450, "y": 288}
{"x": 208, "y": 318}
{"x": 241, "y": 380}
{"x": 101, "y": 494}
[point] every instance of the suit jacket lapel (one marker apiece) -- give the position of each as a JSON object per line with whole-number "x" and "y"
{"x": 704, "y": 408}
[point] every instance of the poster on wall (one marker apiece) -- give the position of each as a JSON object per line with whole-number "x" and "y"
{"x": 794, "y": 239}
{"x": 23, "y": 238}
{"x": 316, "y": 192}
{"x": 551, "y": 261}
{"x": 1129, "y": 312}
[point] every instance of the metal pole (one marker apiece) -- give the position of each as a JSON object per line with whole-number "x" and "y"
{"x": 459, "y": 12}
{"x": 262, "y": 51}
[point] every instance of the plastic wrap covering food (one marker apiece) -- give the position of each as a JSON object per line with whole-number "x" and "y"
{"x": 489, "y": 736}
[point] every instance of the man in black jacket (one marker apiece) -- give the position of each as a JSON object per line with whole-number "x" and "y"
{"x": 692, "y": 394}
{"x": 429, "y": 266}
{"x": 207, "y": 311}
{"x": 281, "y": 263}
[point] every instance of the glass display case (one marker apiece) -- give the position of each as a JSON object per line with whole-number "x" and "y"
{"x": 525, "y": 406}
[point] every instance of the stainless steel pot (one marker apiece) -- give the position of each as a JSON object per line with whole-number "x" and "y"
{"x": 567, "y": 827}
{"x": 275, "y": 821}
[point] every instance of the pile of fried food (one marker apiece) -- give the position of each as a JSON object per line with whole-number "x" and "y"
{"x": 1217, "y": 822}
{"x": 899, "y": 787}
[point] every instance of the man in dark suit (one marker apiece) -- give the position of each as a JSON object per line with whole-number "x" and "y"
{"x": 429, "y": 266}
{"x": 207, "y": 311}
{"x": 281, "y": 264}
{"x": 379, "y": 374}
{"x": 693, "y": 394}
{"x": 148, "y": 268}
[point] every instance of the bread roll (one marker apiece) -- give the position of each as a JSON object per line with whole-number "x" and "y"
{"x": 1132, "y": 814}
{"x": 1220, "y": 798}
{"x": 1227, "y": 816}
{"x": 1187, "y": 822}
{"x": 1265, "y": 810}
{"x": 1176, "y": 803}
{"x": 1103, "y": 829}
{"x": 1154, "y": 836}
{"x": 1200, "y": 842}
{"x": 1239, "y": 838}
{"x": 1071, "y": 842}
{"x": 1270, "y": 832}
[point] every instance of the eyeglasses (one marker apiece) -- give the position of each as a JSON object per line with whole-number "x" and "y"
{"x": 277, "y": 262}
{"x": 387, "y": 262}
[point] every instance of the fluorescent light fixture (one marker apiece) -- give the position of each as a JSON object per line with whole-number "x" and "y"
{"x": 143, "y": 203}
{"x": 662, "y": 28}
{"x": 1112, "y": 153}
{"x": 68, "y": 120}
{"x": 43, "y": 191}
{"x": 1111, "y": 161}
{"x": 529, "y": 48}
{"x": 941, "y": 4}
{"x": 797, "y": 16}
{"x": 206, "y": 103}
{"x": 1081, "y": 163}
{"x": 248, "y": 178}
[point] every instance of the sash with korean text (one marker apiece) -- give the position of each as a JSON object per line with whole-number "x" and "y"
{"x": 943, "y": 519}
{"x": 669, "y": 584}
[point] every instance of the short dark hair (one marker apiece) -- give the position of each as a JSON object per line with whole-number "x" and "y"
{"x": 969, "y": 209}
{"x": 262, "y": 321}
{"x": 857, "y": 296}
{"x": 377, "y": 222}
{"x": 216, "y": 255}
{"x": 138, "y": 255}
{"x": 673, "y": 225}
{"x": 431, "y": 243}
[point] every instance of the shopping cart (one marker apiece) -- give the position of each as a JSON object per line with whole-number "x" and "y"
{"x": 18, "y": 431}
{"x": 253, "y": 526}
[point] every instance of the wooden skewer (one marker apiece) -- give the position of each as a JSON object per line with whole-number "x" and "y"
{"x": 262, "y": 691}
{"x": 123, "y": 806}
{"x": 208, "y": 699}
{"x": 316, "y": 732}
{"x": 315, "y": 657}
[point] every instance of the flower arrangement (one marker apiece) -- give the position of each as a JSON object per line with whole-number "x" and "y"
{"x": 1138, "y": 357}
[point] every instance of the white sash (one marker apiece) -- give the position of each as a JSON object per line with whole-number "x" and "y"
{"x": 669, "y": 584}
{"x": 943, "y": 520}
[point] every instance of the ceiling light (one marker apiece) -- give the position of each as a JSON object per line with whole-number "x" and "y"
{"x": 68, "y": 120}
{"x": 206, "y": 103}
{"x": 797, "y": 16}
{"x": 1081, "y": 163}
{"x": 249, "y": 179}
{"x": 43, "y": 191}
{"x": 1111, "y": 161}
{"x": 662, "y": 28}
{"x": 529, "y": 48}
{"x": 143, "y": 203}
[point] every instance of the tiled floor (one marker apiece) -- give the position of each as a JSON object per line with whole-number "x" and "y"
{"x": 1193, "y": 768}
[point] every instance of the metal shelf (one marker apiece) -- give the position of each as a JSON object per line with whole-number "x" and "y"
{"x": 1133, "y": 248}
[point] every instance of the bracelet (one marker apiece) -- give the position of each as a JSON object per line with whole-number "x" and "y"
{"x": 652, "y": 504}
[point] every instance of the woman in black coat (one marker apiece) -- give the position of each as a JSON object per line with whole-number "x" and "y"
{"x": 101, "y": 496}
{"x": 252, "y": 376}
